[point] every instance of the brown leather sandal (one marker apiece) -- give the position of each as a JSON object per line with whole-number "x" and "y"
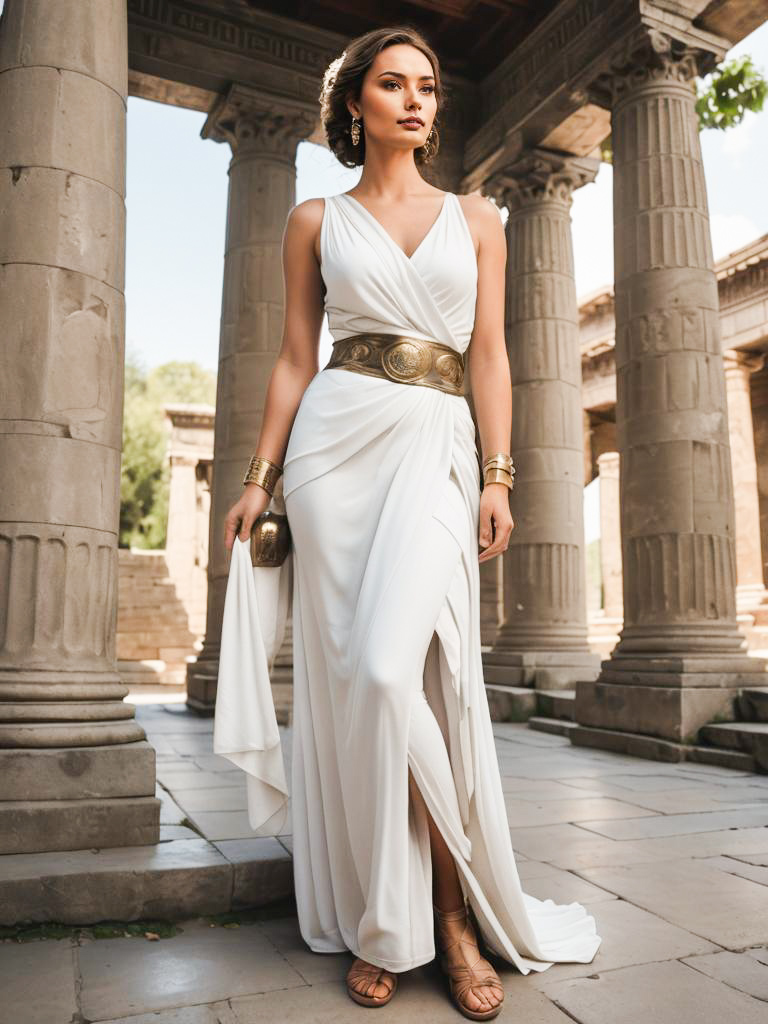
{"x": 463, "y": 976}
{"x": 370, "y": 975}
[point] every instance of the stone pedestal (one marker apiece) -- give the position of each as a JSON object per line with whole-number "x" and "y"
{"x": 263, "y": 133}
{"x": 544, "y": 632}
{"x": 750, "y": 589}
{"x": 681, "y": 658}
{"x": 76, "y": 769}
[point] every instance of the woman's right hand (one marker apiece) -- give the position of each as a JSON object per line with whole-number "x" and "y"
{"x": 244, "y": 513}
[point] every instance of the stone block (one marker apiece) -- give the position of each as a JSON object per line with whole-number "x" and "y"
{"x": 670, "y": 713}
{"x": 627, "y": 743}
{"x": 67, "y": 120}
{"x": 34, "y": 826}
{"x": 263, "y": 870}
{"x": 68, "y": 36}
{"x": 45, "y": 223}
{"x": 78, "y": 773}
{"x": 172, "y": 880}
{"x": 510, "y": 703}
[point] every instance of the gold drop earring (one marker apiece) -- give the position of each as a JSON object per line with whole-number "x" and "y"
{"x": 354, "y": 130}
{"x": 427, "y": 147}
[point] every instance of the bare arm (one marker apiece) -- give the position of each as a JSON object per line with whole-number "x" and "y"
{"x": 489, "y": 369}
{"x": 297, "y": 360}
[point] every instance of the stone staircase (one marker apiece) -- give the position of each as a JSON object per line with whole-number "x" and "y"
{"x": 741, "y": 744}
{"x": 747, "y": 737}
{"x": 154, "y": 641}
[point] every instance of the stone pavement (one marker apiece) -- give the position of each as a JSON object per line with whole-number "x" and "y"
{"x": 671, "y": 859}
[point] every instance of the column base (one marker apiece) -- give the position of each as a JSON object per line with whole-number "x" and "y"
{"x": 543, "y": 670}
{"x": 202, "y": 677}
{"x": 668, "y": 698}
{"x": 77, "y": 799}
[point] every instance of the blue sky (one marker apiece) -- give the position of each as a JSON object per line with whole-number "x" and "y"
{"x": 177, "y": 200}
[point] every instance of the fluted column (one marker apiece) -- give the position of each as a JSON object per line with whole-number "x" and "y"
{"x": 680, "y": 654}
{"x": 76, "y": 769}
{"x": 739, "y": 366}
{"x": 545, "y": 625}
{"x": 263, "y": 133}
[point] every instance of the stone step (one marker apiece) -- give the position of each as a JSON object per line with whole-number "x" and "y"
{"x": 172, "y": 880}
{"x": 556, "y": 703}
{"x": 561, "y": 726}
{"x": 171, "y": 637}
{"x": 743, "y": 737}
{"x": 503, "y": 674}
{"x": 510, "y": 703}
{"x": 752, "y": 704}
{"x": 723, "y": 758}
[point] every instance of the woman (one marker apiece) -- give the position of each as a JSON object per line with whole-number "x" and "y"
{"x": 398, "y": 811}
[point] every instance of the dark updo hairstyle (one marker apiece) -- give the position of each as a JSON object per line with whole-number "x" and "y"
{"x": 344, "y": 76}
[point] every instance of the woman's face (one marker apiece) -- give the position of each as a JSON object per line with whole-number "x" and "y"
{"x": 399, "y": 84}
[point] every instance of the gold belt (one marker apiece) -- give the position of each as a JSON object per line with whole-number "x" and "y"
{"x": 401, "y": 358}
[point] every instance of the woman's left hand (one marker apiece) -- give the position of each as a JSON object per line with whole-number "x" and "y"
{"x": 494, "y": 508}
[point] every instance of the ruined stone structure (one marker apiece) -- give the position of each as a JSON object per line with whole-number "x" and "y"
{"x": 531, "y": 98}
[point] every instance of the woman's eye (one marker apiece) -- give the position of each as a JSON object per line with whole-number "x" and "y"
{"x": 391, "y": 81}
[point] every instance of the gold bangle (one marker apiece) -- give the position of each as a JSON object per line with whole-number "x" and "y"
{"x": 263, "y": 472}
{"x": 502, "y": 457}
{"x": 498, "y": 476}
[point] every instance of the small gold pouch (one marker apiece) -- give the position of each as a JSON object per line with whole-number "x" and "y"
{"x": 270, "y": 539}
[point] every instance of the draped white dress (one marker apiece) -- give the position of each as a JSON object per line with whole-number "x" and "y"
{"x": 381, "y": 486}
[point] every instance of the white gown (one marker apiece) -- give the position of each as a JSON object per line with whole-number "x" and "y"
{"x": 381, "y": 486}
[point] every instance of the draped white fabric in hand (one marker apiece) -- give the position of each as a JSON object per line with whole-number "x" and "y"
{"x": 381, "y": 485}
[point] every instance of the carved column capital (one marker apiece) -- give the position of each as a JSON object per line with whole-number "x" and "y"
{"x": 651, "y": 56}
{"x": 255, "y": 123}
{"x": 540, "y": 174}
{"x": 741, "y": 364}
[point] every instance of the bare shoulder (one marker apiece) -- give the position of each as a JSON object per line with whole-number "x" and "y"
{"x": 483, "y": 219}
{"x": 304, "y": 221}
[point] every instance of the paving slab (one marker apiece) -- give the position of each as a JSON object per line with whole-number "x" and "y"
{"x": 734, "y": 866}
{"x": 572, "y": 847}
{"x": 663, "y": 993}
{"x": 188, "y": 776}
{"x": 422, "y": 995}
{"x": 739, "y": 970}
{"x": 217, "y": 798}
{"x": 621, "y": 783}
{"x": 677, "y": 824}
{"x": 522, "y": 813}
{"x": 201, "y": 964}
{"x": 630, "y": 936}
{"x": 564, "y": 887}
{"x": 549, "y": 789}
{"x": 37, "y": 982}
{"x": 213, "y": 1013}
{"x": 719, "y": 906}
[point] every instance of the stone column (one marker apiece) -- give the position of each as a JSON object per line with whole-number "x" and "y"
{"x": 76, "y": 768}
{"x": 681, "y": 656}
{"x": 750, "y": 590}
{"x": 263, "y": 132}
{"x": 610, "y": 535}
{"x": 543, "y": 638}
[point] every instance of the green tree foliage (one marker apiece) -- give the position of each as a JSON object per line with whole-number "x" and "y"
{"x": 145, "y": 475}
{"x": 722, "y": 97}
{"x": 729, "y": 92}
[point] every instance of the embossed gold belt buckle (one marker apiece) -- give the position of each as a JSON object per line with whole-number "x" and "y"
{"x": 401, "y": 358}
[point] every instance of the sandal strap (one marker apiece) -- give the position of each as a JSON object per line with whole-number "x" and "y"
{"x": 371, "y": 974}
{"x": 462, "y": 977}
